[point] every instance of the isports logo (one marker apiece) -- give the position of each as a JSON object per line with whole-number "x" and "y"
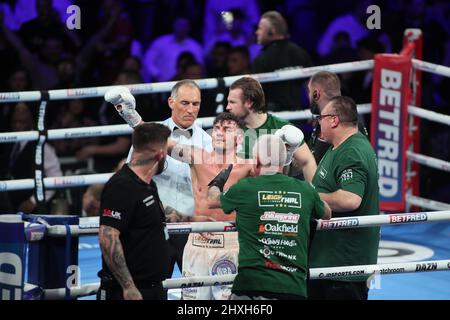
{"x": 112, "y": 214}
{"x": 279, "y": 199}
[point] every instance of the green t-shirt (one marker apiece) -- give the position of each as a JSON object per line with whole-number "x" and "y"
{"x": 272, "y": 124}
{"x": 273, "y": 214}
{"x": 351, "y": 167}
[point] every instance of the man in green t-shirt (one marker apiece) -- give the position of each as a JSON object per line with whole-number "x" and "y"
{"x": 246, "y": 100}
{"x": 347, "y": 179}
{"x": 272, "y": 215}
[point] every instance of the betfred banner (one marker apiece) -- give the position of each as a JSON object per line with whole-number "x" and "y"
{"x": 389, "y": 127}
{"x": 12, "y": 241}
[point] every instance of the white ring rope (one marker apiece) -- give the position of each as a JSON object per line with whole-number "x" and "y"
{"x": 90, "y": 226}
{"x": 322, "y": 273}
{"x": 315, "y": 273}
{"x": 431, "y": 67}
{"x": 56, "y": 182}
{"x": 426, "y": 203}
{"x": 121, "y": 129}
{"x": 429, "y": 161}
{"x": 146, "y": 88}
{"x": 210, "y": 83}
{"x": 429, "y": 115}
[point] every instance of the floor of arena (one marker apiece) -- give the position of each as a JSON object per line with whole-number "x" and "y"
{"x": 402, "y": 243}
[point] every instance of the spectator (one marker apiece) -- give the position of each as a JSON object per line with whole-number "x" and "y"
{"x": 72, "y": 114}
{"x": 18, "y": 80}
{"x": 354, "y": 23}
{"x": 279, "y": 53}
{"x": 234, "y": 32}
{"x": 238, "y": 61}
{"x": 42, "y": 67}
{"x": 46, "y": 25}
{"x": 20, "y": 11}
{"x": 214, "y": 19}
{"x": 18, "y": 162}
{"x": 161, "y": 56}
{"x": 114, "y": 45}
{"x": 216, "y": 61}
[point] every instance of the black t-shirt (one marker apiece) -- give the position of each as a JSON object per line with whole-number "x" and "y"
{"x": 281, "y": 54}
{"x": 319, "y": 147}
{"x": 132, "y": 206}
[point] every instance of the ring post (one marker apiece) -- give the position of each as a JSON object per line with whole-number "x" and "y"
{"x": 49, "y": 259}
{"x": 12, "y": 262}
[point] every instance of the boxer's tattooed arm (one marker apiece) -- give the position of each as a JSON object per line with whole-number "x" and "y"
{"x": 112, "y": 251}
{"x": 213, "y": 197}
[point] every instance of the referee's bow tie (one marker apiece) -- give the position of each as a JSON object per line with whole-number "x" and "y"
{"x": 177, "y": 132}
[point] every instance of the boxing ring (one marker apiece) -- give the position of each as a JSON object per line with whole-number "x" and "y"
{"x": 28, "y": 239}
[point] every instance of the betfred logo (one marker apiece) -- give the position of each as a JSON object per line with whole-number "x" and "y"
{"x": 112, "y": 214}
{"x": 409, "y": 217}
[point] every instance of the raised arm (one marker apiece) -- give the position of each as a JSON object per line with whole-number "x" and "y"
{"x": 305, "y": 160}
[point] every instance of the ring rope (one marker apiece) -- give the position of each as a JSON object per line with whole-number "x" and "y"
{"x": 431, "y": 67}
{"x": 426, "y": 203}
{"x": 121, "y": 129}
{"x": 429, "y": 115}
{"x": 56, "y": 182}
{"x": 429, "y": 161}
{"x": 209, "y": 83}
{"x": 322, "y": 273}
{"x": 315, "y": 273}
{"x": 92, "y": 224}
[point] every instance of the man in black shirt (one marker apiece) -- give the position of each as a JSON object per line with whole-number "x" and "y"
{"x": 323, "y": 86}
{"x": 133, "y": 235}
{"x": 279, "y": 53}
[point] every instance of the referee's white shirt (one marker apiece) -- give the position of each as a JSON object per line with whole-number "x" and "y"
{"x": 175, "y": 183}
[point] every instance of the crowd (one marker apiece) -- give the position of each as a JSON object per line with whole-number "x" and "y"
{"x": 128, "y": 42}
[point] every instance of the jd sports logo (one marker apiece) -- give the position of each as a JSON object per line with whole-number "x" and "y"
{"x": 148, "y": 201}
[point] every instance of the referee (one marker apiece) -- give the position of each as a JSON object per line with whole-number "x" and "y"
{"x": 132, "y": 235}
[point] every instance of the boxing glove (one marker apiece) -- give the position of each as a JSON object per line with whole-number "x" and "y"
{"x": 125, "y": 104}
{"x": 220, "y": 180}
{"x": 292, "y": 138}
